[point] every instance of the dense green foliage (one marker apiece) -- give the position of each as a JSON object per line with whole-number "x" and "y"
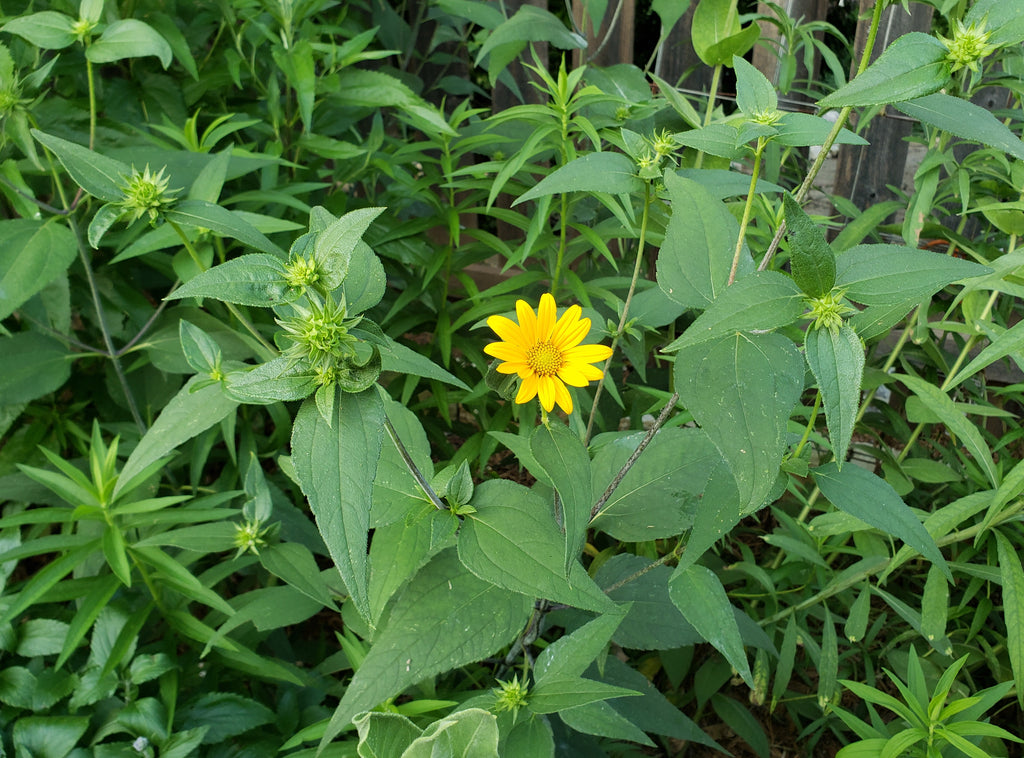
{"x": 264, "y": 492}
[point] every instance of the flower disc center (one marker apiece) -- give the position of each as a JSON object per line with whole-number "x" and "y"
{"x": 545, "y": 359}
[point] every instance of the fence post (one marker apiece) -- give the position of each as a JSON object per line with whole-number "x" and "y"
{"x": 766, "y": 57}
{"x": 620, "y": 18}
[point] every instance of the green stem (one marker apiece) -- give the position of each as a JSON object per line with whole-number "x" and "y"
{"x": 270, "y": 350}
{"x": 758, "y": 152}
{"x": 625, "y": 308}
{"x": 837, "y": 127}
{"x": 413, "y": 468}
{"x": 561, "y": 244}
{"x": 92, "y": 103}
{"x": 710, "y": 109}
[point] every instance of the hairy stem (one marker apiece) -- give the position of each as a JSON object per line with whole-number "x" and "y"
{"x": 758, "y": 152}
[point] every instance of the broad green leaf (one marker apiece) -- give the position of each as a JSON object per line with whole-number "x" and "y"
{"x": 384, "y": 735}
{"x": 40, "y": 636}
{"x": 894, "y": 275}
{"x": 564, "y": 458}
{"x": 531, "y": 24}
{"x": 696, "y": 256}
{"x": 652, "y": 621}
{"x": 426, "y": 634}
{"x": 98, "y": 175}
{"x": 34, "y": 253}
{"x": 1013, "y": 608}
{"x": 226, "y": 715}
{"x": 129, "y": 38}
{"x": 336, "y": 463}
{"x": 400, "y": 549}
{"x": 741, "y": 389}
{"x": 48, "y": 29}
{"x": 722, "y": 184}
{"x": 715, "y": 139}
{"x": 555, "y": 694}
{"x": 805, "y": 129}
{"x": 35, "y": 366}
{"x": 912, "y": 66}
{"x": 828, "y": 662}
{"x": 1000, "y": 17}
{"x": 811, "y": 260}
{"x": 404, "y": 360}
{"x": 292, "y": 562}
{"x": 659, "y": 496}
{"x": 837, "y": 362}
{"x": 762, "y": 301}
{"x": 365, "y": 281}
{"x": 860, "y": 493}
{"x": 956, "y": 422}
{"x": 755, "y": 95}
{"x": 529, "y": 738}
{"x": 334, "y": 245}
{"x": 187, "y": 414}
{"x": 470, "y": 733}
{"x": 716, "y": 32}
{"x": 570, "y": 655}
{"x": 278, "y": 379}
{"x": 256, "y": 279}
{"x": 699, "y": 595}
{"x": 396, "y": 494}
{"x": 202, "y": 352}
{"x": 741, "y": 721}
{"x": 609, "y": 172}
{"x": 375, "y": 89}
{"x": 48, "y": 736}
{"x": 203, "y": 215}
{"x": 964, "y": 119}
{"x": 513, "y": 541}
{"x": 603, "y": 720}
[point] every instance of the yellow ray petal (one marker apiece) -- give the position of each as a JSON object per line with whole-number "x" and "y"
{"x": 527, "y": 323}
{"x": 508, "y": 330}
{"x": 562, "y": 396}
{"x": 527, "y": 390}
{"x": 545, "y": 317}
{"x": 571, "y": 335}
{"x": 546, "y": 391}
{"x": 505, "y": 351}
{"x": 574, "y": 375}
{"x": 587, "y": 353}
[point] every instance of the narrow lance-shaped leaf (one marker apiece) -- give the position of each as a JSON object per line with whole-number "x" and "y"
{"x": 98, "y": 175}
{"x": 256, "y": 280}
{"x": 204, "y": 215}
{"x": 699, "y": 595}
{"x": 860, "y": 493}
{"x": 1013, "y": 609}
{"x": 836, "y": 359}
{"x": 614, "y": 173}
{"x": 564, "y": 459}
{"x": 810, "y": 258}
{"x": 336, "y": 463}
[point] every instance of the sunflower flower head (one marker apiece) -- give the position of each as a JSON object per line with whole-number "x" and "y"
{"x": 546, "y": 353}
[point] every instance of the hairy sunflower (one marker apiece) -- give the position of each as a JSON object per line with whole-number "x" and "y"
{"x": 546, "y": 353}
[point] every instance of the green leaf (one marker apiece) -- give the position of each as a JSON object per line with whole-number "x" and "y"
{"x": 336, "y": 463}
{"x": 98, "y": 175}
{"x": 894, "y": 275}
{"x": 48, "y": 736}
{"x": 741, "y": 389}
{"x": 860, "y": 493}
{"x": 696, "y": 257}
{"x": 659, "y": 496}
{"x": 810, "y": 258}
{"x": 513, "y": 541}
{"x": 335, "y": 244}
{"x": 171, "y": 572}
{"x": 935, "y": 607}
{"x": 299, "y": 67}
{"x": 742, "y": 722}
{"x": 837, "y": 362}
{"x": 570, "y": 655}
{"x": 1010, "y": 342}
{"x": 117, "y": 557}
{"x": 715, "y": 139}
{"x": 828, "y": 662}
{"x": 202, "y": 352}
{"x": 964, "y": 119}
{"x": 755, "y": 95}
{"x": 365, "y": 282}
{"x": 956, "y": 422}
{"x": 36, "y": 365}
{"x": 34, "y": 253}
{"x": 604, "y": 721}
{"x": 609, "y": 172}
{"x": 49, "y": 30}
{"x": 531, "y": 24}
{"x": 129, "y": 38}
{"x": 383, "y": 735}
{"x": 426, "y": 634}
{"x": 716, "y": 32}
{"x": 256, "y": 279}
{"x": 186, "y": 414}
{"x": 804, "y": 130}
{"x": 762, "y": 301}
{"x": 555, "y": 694}
{"x": 912, "y": 66}
{"x": 470, "y": 733}
{"x": 529, "y": 738}
{"x": 396, "y": 493}
{"x": 1013, "y": 608}
{"x": 699, "y": 595}
{"x": 203, "y": 215}
{"x": 404, "y": 360}
{"x": 293, "y": 563}
{"x": 227, "y": 715}
{"x": 278, "y": 379}
{"x": 565, "y": 460}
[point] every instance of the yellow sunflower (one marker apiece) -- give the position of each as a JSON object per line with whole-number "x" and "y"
{"x": 546, "y": 353}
